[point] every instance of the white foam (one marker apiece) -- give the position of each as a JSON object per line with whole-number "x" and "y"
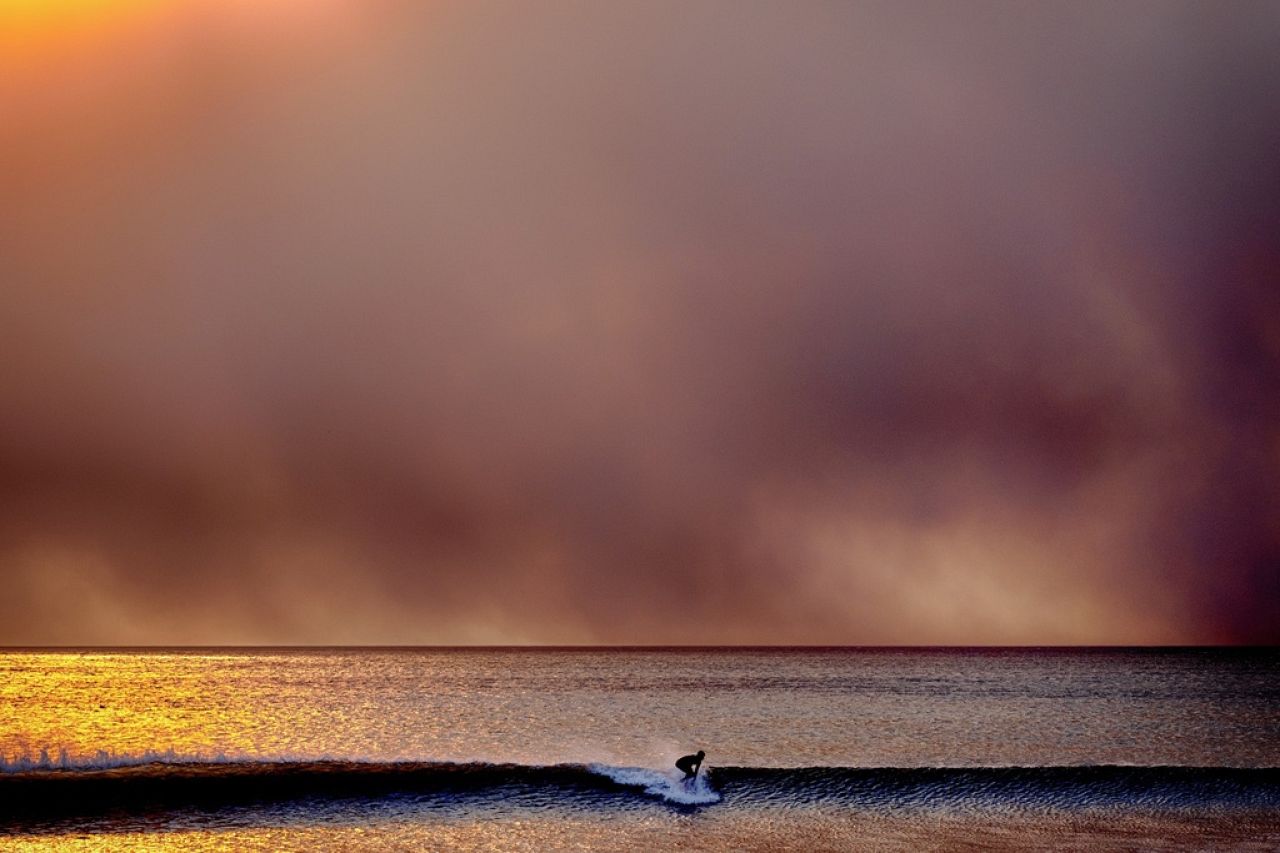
{"x": 671, "y": 787}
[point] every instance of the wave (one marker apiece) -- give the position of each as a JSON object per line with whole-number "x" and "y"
{"x": 666, "y": 786}
{"x": 135, "y": 784}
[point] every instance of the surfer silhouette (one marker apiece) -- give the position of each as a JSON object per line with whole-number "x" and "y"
{"x": 690, "y": 764}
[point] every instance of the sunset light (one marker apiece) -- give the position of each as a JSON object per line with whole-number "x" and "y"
{"x": 639, "y": 425}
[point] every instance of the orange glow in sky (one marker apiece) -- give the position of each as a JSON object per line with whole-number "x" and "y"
{"x": 340, "y": 321}
{"x": 53, "y": 30}
{"x": 30, "y": 28}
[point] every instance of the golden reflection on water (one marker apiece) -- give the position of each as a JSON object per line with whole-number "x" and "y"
{"x": 191, "y": 704}
{"x": 939, "y": 710}
{"x": 761, "y": 708}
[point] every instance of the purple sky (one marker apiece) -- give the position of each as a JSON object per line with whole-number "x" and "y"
{"x": 396, "y": 322}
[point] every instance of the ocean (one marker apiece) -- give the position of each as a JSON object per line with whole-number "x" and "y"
{"x": 540, "y": 749}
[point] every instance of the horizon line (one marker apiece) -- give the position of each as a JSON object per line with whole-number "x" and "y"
{"x": 634, "y": 647}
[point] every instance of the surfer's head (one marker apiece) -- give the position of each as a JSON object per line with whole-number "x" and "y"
{"x": 701, "y": 755}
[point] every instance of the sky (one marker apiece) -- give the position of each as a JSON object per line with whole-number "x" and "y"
{"x": 394, "y": 322}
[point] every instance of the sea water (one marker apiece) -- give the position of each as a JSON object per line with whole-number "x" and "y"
{"x": 536, "y": 749}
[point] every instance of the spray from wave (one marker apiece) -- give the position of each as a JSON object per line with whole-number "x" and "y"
{"x": 102, "y": 759}
{"x": 667, "y": 786}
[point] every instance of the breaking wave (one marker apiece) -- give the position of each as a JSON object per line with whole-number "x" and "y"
{"x": 55, "y": 787}
{"x": 666, "y": 786}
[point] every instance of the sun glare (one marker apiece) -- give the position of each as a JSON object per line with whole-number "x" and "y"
{"x": 46, "y": 15}
{"x": 32, "y": 27}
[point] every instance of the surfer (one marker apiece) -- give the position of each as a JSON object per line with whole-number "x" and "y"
{"x": 690, "y": 764}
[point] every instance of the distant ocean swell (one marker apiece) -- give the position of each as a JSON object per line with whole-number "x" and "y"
{"x": 51, "y": 793}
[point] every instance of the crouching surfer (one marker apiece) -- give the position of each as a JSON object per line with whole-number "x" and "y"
{"x": 690, "y": 764}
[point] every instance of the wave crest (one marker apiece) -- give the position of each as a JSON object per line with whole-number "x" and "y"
{"x": 49, "y": 787}
{"x": 671, "y": 787}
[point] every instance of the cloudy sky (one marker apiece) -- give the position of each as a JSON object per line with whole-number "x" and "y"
{"x": 698, "y": 322}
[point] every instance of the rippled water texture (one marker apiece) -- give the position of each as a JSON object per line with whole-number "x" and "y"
{"x": 850, "y": 725}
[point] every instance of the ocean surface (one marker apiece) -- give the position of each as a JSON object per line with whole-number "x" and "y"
{"x": 537, "y": 749}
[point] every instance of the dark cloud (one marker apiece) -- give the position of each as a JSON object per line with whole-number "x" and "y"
{"x": 643, "y": 323}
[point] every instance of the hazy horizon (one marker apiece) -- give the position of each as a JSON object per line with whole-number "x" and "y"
{"x": 1244, "y": 647}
